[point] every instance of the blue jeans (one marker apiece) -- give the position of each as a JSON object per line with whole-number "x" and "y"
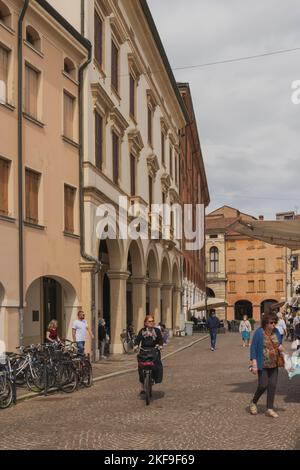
{"x": 213, "y": 338}
{"x": 80, "y": 346}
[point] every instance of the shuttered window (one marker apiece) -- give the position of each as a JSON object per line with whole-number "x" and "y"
{"x": 132, "y": 175}
{"x": 115, "y": 148}
{"x": 232, "y": 286}
{"x": 261, "y": 264}
{"x": 262, "y": 285}
{"x": 132, "y": 96}
{"x": 279, "y": 264}
{"x": 163, "y": 147}
{"x": 3, "y": 74}
{"x": 114, "y": 66}
{"x": 250, "y": 286}
{"x": 69, "y": 208}
{"x": 232, "y": 266}
{"x": 68, "y": 115}
{"x": 4, "y": 176}
{"x": 250, "y": 267}
{"x": 98, "y": 39}
{"x": 214, "y": 259}
{"x": 32, "y": 182}
{"x": 31, "y": 91}
{"x": 150, "y": 183}
{"x": 98, "y": 140}
{"x": 279, "y": 285}
{"x": 149, "y": 126}
{"x": 171, "y": 161}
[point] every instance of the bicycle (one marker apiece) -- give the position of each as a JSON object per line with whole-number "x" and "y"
{"x": 146, "y": 361}
{"x": 127, "y": 338}
{"x": 6, "y": 385}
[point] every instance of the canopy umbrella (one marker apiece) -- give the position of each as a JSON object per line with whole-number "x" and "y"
{"x": 275, "y": 232}
{"x": 209, "y": 303}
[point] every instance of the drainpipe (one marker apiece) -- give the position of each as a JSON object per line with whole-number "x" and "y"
{"x": 82, "y": 18}
{"x": 20, "y": 171}
{"x": 87, "y": 257}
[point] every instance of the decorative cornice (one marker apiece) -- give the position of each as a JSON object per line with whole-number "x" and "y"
{"x": 135, "y": 65}
{"x": 87, "y": 267}
{"x": 151, "y": 99}
{"x": 174, "y": 195}
{"x": 104, "y": 7}
{"x": 117, "y": 30}
{"x": 118, "y": 121}
{"x": 139, "y": 280}
{"x": 153, "y": 165}
{"x": 101, "y": 100}
{"x": 165, "y": 182}
{"x": 164, "y": 125}
{"x": 135, "y": 141}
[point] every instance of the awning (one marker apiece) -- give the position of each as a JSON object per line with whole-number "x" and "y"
{"x": 276, "y": 232}
{"x": 211, "y": 302}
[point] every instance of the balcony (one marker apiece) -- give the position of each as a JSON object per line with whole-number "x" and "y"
{"x": 215, "y": 276}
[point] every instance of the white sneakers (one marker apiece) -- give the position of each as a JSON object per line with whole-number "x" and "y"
{"x": 253, "y": 408}
{"x": 271, "y": 413}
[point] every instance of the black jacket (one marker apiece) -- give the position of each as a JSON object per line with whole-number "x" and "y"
{"x": 145, "y": 339}
{"x": 101, "y": 332}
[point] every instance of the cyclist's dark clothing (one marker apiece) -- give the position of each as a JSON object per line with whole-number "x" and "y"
{"x": 149, "y": 339}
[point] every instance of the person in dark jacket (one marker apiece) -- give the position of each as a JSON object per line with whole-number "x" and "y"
{"x": 264, "y": 355}
{"x": 102, "y": 337}
{"x": 213, "y": 324}
{"x": 148, "y": 338}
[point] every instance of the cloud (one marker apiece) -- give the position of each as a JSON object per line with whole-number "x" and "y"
{"x": 249, "y": 128}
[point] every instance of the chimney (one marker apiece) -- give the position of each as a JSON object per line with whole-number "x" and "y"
{"x": 260, "y": 217}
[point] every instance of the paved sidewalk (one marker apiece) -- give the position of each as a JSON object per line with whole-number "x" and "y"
{"x": 123, "y": 362}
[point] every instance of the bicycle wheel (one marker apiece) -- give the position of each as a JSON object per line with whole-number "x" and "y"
{"x": 67, "y": 378}
{"x": 87, "y": 374}
{"x": 35, "y": 377}
{"x": 147, "y": 386}
{"x": 6, "y": 392}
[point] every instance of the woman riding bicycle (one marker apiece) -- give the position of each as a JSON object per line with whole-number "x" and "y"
{"x": 150, "y": 337}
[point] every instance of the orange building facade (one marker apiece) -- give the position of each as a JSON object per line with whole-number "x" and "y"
{"x": 255, "y": 272}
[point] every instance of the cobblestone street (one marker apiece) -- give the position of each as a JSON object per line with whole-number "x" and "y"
{"x": 202, "y": 404}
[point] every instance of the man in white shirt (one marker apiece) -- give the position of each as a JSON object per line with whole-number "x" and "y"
{"x": 79, "y": 329}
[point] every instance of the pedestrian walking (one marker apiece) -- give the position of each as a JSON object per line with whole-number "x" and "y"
{"x": 213, "y": 324}
{"x": 265, "y": 355}
{"x": 245, "y": 330}
{"x": 102, "y": 337}
{"x": 79, "y": 329}
{"x": 281, "y": 326}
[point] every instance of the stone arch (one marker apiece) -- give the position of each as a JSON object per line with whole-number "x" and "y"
{"x": 115, "y": 248}
{"x": 210, "y": 292}
{"x": 176, "y": 298}
{"x": 33, "y": 37}
{"x": 136, "y": 253}
{"x": 5, "y": 14}
{"x": 152, "y": 264}
{"x": 265, "y": 306}
{"x": 165, "y": 269}
{"x": 243, "y": 307}
{"x": 49, "y": 297}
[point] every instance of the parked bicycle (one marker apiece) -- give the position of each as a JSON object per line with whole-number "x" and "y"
{"x": 7, "y": 386}
{"x": 127, "y": 337}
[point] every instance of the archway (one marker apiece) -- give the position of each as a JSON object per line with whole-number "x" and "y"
{"x": 176, "y": 297}
{"x": 265, "y": 306}
{"x": 166, "y": 293}
{"x": 210, "y": 292}
{"x": 153, "y": 288}
{"x": 243, "y": 307}
{"x": 49, "y": 297}
{"x": 135, "y": 286}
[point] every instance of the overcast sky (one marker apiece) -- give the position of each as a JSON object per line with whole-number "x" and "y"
{"x": 248, "y": 126}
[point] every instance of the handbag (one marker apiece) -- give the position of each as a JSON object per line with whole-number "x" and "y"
{"x": 280, "y": 358}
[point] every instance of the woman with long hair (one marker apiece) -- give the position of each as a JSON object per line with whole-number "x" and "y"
{"x": 52, "y": 332}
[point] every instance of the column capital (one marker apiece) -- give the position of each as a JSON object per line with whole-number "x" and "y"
{"x": 167, "y": 286}
{"x": 87, "y": 266}
{"x": 156, "y": 284}
{"x": 123, "y": 275}
{"x": 139, "y": 280}
{"x": 178, "y": 289}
